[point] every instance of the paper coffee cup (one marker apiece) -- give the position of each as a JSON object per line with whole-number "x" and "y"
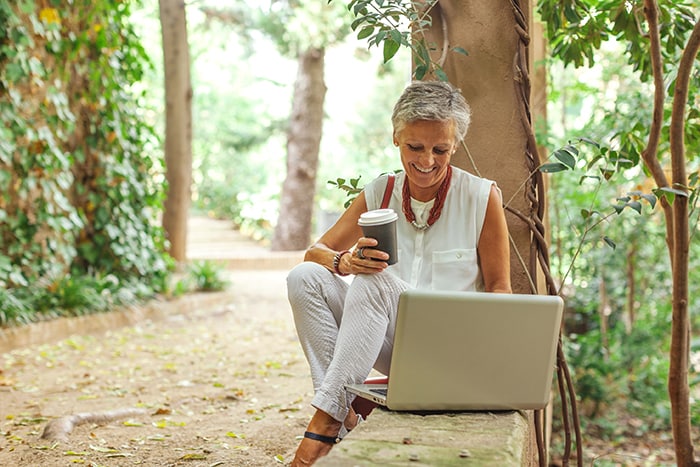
{"x": 380, "y": 224}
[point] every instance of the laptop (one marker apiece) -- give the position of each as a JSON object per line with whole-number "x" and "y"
{"x": 470, "y": 351}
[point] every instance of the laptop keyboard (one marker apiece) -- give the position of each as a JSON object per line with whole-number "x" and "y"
{"x": 379, "y": 391}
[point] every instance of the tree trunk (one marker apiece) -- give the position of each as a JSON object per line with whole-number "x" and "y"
{"x": 178, "y": 125}
{"x": 603, "y": 313}
{"x": 678, "y": 388}
{"x": 629, "y": 317}
{"x": 293, "y": 230}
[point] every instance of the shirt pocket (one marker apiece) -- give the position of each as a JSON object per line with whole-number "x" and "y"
{"x": 455, "y": 269}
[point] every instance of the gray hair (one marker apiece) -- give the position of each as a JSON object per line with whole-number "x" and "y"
{"x": 432, "y": 100}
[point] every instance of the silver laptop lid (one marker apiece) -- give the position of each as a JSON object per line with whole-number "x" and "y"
{"x": 473, "y": 351}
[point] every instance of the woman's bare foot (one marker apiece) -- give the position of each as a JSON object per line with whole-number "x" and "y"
{"x": 310, "y": 450}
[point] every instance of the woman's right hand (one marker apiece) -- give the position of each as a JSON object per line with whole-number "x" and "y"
{"x": 341, "y": 236}
{"x": 366, "y": 259}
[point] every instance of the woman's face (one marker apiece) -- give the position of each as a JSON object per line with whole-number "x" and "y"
{"x": 426, "y": 148}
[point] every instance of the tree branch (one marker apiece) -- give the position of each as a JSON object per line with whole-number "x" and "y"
{"x": 649, "y": 154}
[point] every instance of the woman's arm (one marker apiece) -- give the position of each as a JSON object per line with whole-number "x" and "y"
{"x": 343, "y": 235}
{"x": 493, "y": 248}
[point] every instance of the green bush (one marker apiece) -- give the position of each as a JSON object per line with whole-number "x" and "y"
{"x": 67, "y": 296}
{"x": 202, "y": 276}
{"x": 78, "y": 163}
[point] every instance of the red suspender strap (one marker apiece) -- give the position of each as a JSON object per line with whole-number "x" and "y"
{"x": 388, "y": 190}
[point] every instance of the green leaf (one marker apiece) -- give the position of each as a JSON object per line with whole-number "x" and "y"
{"x": 357, "y": 22}
{"x": 420, "y": 72}
{"x": 590, "y": 142}
{"x": 27, "y": 6}
{"x": 565, "y": 157}
{"x": 609, "y": 242}
{"x": 396, "y": 36}
{"x": 442, "y": 76}
{"x": 651, "y": 199}
{"x": 422, "y": 53}
{"x": 365, "y": 32}
{"x": 102, "y": 449}
{"x": 593, "y": 161}
{"x": 390, "y": 49}
{"x": 132, "y": 423}
{"x": 460, "y": 50}
{"x": 14, "y": 72}
{"x": 674, "y": 191}
{"x": 553, "y": 167}
{"x": 607, "y": 173}
{"x": 636, "y": 205}
{"x": 75, "y": 453}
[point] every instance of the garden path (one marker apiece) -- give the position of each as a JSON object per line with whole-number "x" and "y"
{"x": 208, "y": 380}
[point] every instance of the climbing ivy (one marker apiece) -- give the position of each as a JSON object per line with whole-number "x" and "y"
{"x": 77, "y": 169}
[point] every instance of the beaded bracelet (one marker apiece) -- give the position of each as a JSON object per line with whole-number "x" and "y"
{"x": 336, "y": 262}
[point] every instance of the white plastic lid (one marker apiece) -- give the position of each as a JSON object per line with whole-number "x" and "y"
{"x": 377, "y": 217}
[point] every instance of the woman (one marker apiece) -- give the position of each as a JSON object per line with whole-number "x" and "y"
{"x": 452, "y": 235}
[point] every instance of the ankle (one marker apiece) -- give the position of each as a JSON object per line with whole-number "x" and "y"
{"x": 324, "y": 426}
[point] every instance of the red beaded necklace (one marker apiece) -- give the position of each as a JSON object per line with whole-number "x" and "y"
{"x": 435, "y": 211}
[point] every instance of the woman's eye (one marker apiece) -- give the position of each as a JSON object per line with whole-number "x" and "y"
{"x": 440, "y": 152}
{"x": 413, "y": 148}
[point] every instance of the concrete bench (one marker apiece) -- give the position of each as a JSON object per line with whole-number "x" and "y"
{"x": 445, "y": 439}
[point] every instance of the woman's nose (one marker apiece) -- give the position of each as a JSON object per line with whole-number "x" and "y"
{"x": 426, "y": 157}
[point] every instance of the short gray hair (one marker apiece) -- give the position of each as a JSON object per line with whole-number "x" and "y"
{"x": 432, "y": 100}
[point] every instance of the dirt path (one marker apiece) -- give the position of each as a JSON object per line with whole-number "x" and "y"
{"x": 226, "y": 386}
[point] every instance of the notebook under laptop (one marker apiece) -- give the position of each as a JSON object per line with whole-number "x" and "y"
{"x": 470, "y": 351}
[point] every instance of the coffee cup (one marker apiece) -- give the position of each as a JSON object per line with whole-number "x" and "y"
{"x": 380, "y": 224}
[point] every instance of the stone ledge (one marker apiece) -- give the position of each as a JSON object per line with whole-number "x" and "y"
{"x": 467, "y": 438}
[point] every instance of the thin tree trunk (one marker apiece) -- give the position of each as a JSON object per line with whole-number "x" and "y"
{"x": 178, "y": 125}
{"x": 603, "y": 312}
{"x": 631, "y": 286}
{"x": 677, "y": 235}
{"x": 678, "y": 388}
{"x": 293, "y": 230}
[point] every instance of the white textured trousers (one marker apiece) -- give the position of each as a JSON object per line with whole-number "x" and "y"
{"x": 344, "y": 329}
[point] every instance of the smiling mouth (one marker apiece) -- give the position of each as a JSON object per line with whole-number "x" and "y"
{"x": 425, "y": 171}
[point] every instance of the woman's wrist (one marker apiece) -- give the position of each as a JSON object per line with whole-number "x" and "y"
{"x": 336, "y": 262}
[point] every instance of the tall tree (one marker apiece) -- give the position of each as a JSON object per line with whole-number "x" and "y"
{"x": 178, "y": 124}
{"x": 293, "y": 229}
{"x": 303, "y": 29}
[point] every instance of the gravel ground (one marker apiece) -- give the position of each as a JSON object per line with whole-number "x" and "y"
{"x": 222, "y": 385}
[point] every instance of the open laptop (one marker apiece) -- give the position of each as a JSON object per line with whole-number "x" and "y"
{"x": 470, "y": 351}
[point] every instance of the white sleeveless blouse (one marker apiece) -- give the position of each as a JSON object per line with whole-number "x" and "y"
{"x": 443, "y": 257}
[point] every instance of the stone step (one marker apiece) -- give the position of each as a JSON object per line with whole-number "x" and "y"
{"x": 218, "y": 241}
